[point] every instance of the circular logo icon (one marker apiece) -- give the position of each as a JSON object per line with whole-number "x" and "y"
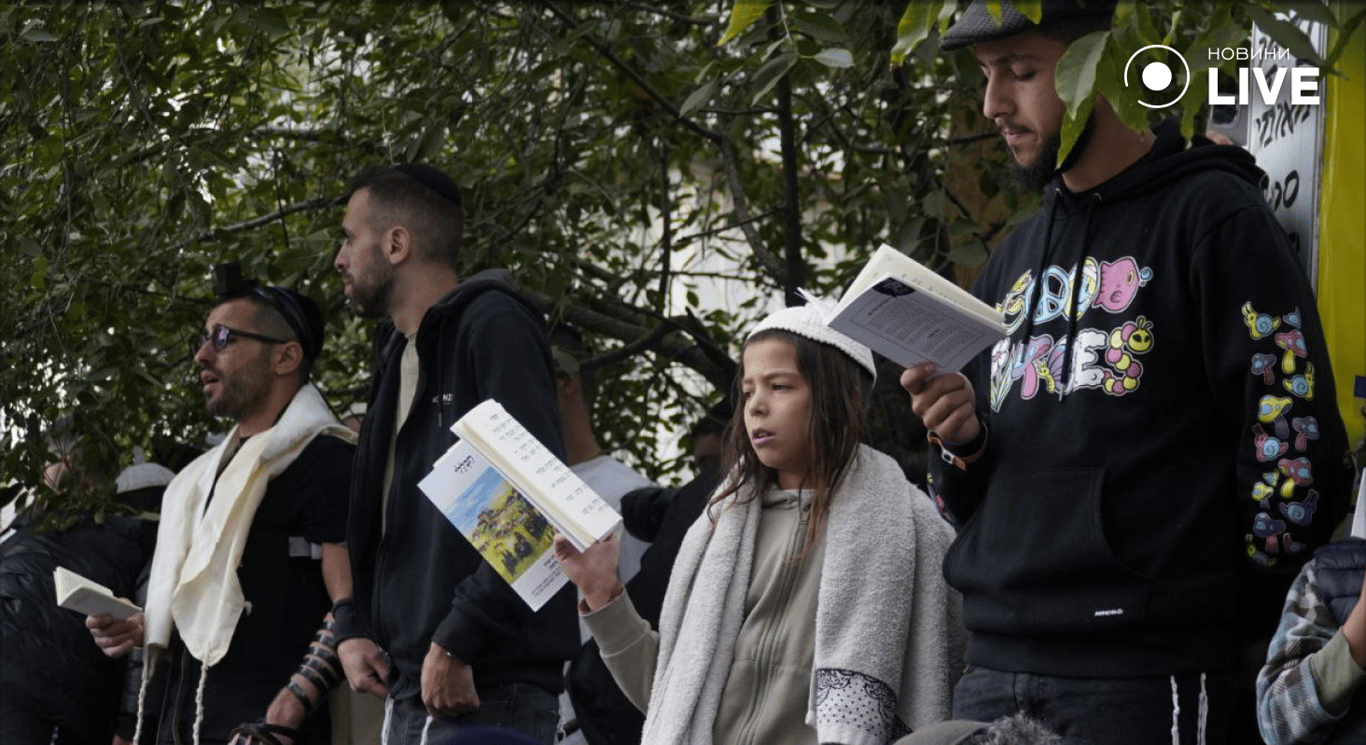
{"x": 1157, "y": 76}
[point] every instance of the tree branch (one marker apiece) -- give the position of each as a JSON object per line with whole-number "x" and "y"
{"x": 668, "y": 343}
{"x": 636, "y": 77}
{"x": 740, "y": 206}
{"x": 257, "y": 222}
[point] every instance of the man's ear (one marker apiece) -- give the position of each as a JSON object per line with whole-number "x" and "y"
{"x": 398, "y": 245}
{"x": 287, "y": 358}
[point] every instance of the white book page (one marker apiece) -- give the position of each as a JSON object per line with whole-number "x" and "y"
{"x": 575, "y": 510}
{"x": 909, "y": 326}
{"x": 888, "y": 262}
{"x": 83, "y": 595}
{"x": 502, "y": 525}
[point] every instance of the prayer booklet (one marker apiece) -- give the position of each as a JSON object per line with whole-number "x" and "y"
{"x": 909, "y": 314}
{"x": 509, "y": 495}
{"x": 89, "y": 597}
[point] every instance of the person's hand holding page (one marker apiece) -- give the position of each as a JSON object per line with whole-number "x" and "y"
{"x": 944, "y": 403}
{"x": 115, "y": 638}
{"x": 593, "y": 571}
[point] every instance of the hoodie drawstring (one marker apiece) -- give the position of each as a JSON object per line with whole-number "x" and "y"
{"x": 1033, "y": 308}
{"x": 1079, "y": 277}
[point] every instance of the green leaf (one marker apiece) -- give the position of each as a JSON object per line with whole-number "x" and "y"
{"x": 698, "y": 97}
{"x": 742, "y": 16}
{"x": 1143, "y": 22}
{"x": 1110, "y": 82}
{"x": 969, "y": 254}
{"x": 1075, "y": 81}
{"x": 1287, "y": 34}
{"x": 37, "y": 279}
{"x": 820, "y": 26}
{"x": 1031, "y": 9}
{"x": 1316, "y": 12}
{"x": 34, "y": 32}
{"x": 769, "y": 74}
{"x": 428, "y": 145}
{"x": 270, "y": 21}
{"x": 914, "y": 27}
{"x": 1344, "y": 35}
{"x": 835, "y": 57}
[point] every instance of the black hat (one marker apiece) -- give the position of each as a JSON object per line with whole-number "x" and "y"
{"x": 304, "y": 317}
{"x": 432, "y": 178}
{"x": 977, "y": 24}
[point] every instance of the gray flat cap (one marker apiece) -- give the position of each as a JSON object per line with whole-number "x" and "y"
{"x": 977, "y": 25}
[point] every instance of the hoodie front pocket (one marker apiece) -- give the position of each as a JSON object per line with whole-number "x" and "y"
{"x": 1035, "y": 557}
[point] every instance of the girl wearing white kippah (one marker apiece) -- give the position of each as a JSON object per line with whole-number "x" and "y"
{"x": 807, "y": 604}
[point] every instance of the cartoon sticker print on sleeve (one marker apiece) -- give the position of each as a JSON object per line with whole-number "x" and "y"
{"x": 1293, "y": 344}
{"x": 1268, "y": 447}
{"x": 1308, "y": 429}
{"x": 1302, "y": 385}
{"x": 1264, "y": 489}
{"x": 1301, "y": 513}
{"x": 1298, "y": 470}
{"x": 1264, "y": 364}
{"x": 1259, "y": 325}
{"x": 1270, "y": 408}
{"x": 1268, "y": 538}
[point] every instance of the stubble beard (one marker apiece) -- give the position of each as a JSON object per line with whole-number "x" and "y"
{"x": 242, "y": 393}
{"x": 370, "y": 296}
{"x": 1037, "y": 173}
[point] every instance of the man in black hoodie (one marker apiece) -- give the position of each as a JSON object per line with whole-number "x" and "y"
{"x": 1143, "y": 465}
{"x": 430, "y": 624}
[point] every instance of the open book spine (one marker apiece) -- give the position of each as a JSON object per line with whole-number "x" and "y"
{"x": 566, "y": 501}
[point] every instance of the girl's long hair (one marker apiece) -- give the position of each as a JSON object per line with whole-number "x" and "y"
{"x": 840, "y": 391}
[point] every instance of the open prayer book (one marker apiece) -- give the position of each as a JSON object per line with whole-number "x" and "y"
{"x": 89, "y": 597}
{"x": 509, "y": 495}
{"x": 909, "y": 314}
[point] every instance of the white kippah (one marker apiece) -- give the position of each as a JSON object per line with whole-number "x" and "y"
{"x": 143, "y": 475}
{"x": 809, "y": 321}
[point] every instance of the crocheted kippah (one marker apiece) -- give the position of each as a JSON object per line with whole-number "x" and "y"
{"x": 977, "y": 24}
{"x": 809, "y": 321}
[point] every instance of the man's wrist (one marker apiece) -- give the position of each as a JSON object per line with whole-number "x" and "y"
{"x": 961, "y": 456}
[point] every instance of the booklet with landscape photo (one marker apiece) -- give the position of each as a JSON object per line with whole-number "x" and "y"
{"x": 508, "y": 494}
{"x": 909, "y": 314}
{"x": 89, "y": 597}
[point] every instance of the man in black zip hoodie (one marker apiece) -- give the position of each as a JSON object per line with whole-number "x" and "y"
{"x": 430, "y": 624}
{"x": 1142, "y": 466}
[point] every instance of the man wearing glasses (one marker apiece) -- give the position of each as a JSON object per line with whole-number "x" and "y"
{"x": 249, "y": 553}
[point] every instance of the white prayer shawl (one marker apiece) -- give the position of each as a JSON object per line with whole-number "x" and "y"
{"x": 889, "y": 634}
{"x": 193, "y": 586}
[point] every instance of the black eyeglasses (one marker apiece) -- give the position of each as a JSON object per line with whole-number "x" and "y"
{"x": 221, "y": 336}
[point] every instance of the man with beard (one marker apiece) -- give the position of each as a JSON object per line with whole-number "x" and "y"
{"x": 431, "y": 625}
{"x": 1142, "y": 466}
{"x": 248, "y": 556}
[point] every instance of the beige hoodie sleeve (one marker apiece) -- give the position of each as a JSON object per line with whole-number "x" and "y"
{"x": 628, "y": 645}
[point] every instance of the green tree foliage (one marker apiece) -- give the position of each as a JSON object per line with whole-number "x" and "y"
{"x": 1095, "y": 65}
{"x": 619, "y": 158}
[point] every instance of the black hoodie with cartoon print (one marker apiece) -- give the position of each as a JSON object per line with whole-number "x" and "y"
{"x": 1162, "y": 461}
